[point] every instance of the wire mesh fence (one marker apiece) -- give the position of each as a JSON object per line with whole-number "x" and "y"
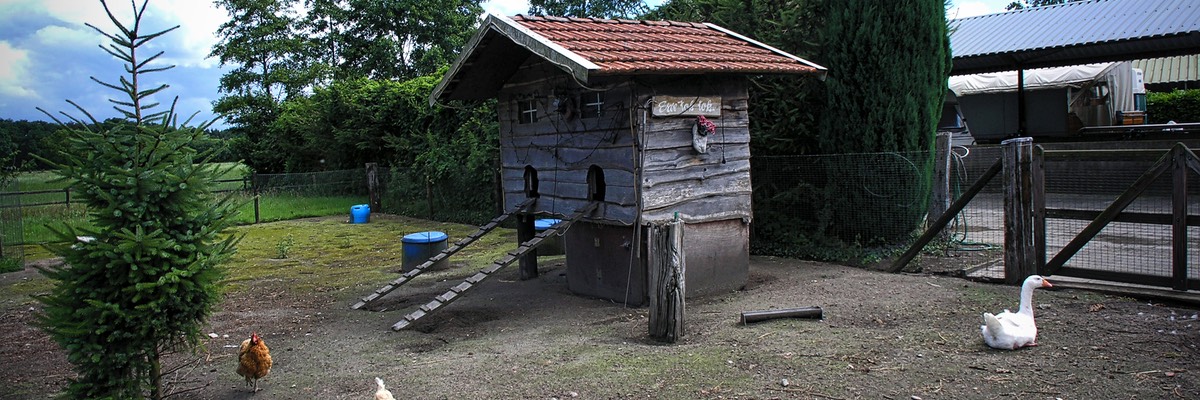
{"x": 817, "y": 206}
{"x": 12, "y": 227}
{"x": 1081, "y": 184}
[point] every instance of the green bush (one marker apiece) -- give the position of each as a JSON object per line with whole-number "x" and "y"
{"x": 1176, "y": 105}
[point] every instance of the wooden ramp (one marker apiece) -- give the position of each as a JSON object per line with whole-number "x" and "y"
{"x": 457, "y": 291}
{"x": 407, "y": 276}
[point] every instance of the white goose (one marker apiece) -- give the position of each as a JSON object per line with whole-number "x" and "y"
{"x": 1011, "y": 331}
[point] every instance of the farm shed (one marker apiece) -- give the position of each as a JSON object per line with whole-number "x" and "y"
{"x": 646, "y": 119}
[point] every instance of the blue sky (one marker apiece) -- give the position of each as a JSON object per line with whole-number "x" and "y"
{"x": 47, "y": 54}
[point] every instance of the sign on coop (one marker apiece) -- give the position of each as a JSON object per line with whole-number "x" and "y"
{"x": 672, "y": 106}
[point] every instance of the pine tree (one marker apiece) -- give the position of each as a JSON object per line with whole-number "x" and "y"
{"x": 888, "y": 63}
{"x": 147, "y": 277}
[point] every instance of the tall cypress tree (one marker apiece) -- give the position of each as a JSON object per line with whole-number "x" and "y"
{"x": 888, "y": 63}
{"x": 145, "y": 279}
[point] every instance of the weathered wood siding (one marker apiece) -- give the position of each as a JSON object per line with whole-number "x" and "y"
{"x": 676, "y": 178}
{"x": 562, "y": 146}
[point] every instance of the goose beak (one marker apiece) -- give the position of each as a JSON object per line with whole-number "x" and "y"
{"x": 1046, "y": 283}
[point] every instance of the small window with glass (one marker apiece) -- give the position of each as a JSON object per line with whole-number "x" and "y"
{"x": 528, "y": 112}
{"x": 592, "y": 105}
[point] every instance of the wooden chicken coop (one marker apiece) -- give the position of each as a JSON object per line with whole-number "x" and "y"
{"x": 646, "y": 119}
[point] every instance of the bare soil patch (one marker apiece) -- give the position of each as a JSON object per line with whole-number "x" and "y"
{"x": 883, "y": 336}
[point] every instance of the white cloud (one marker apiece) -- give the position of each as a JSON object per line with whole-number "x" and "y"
{"x": 506, "y": 7}
{"x": 198, "y": 22}
{"x": 14, "y": 71}
{"x": 66, "y": 38}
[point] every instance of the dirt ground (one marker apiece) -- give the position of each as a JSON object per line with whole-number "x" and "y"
{"x": 883, "y": 336}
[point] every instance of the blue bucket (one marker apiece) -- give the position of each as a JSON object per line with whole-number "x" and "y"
{"x": 420, "y": 246}
{"x": 360, "y": 214}
{"x": 552, "y": 246}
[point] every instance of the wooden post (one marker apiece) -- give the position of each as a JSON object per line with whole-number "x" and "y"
{"x": 666, "y": 272}
{"x": 526, "y": 231}
{"x": 373, "y": 189}
{"x": 1038, "y": 172}
{"x": 1179, "y": 208}
{"x": 940, "y": 200}
{"x": 256, "y": 213}
{"x": 67, "y": 192}
{"x": 1019, "y": 257}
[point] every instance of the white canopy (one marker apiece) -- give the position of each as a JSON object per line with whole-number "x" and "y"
{"x": 1041, "y": 78}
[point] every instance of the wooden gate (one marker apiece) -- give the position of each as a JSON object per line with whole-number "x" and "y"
{"x": 1179, "y": 161}
{"x": 1021, "y": 168}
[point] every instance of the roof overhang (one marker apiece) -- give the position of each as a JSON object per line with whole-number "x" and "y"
{"x": 501, "y": 45}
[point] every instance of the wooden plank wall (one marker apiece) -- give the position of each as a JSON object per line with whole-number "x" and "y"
{"x": 676, "y": 178}
{"x": 562, "y": 147}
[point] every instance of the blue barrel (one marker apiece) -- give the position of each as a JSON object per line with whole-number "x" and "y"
{"x": 420, "y": 246}
{"x": 552, "y": 246}
{"x": 360, "y": 214}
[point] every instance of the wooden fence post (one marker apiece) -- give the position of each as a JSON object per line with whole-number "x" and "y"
{"x": 373, "y": 190}
{"x": 526, "y": 231}
{"x": 1019, "y": 251}
{"x": 941, "y": 197}
{"x": 1179, "y": 209}
{"x": 667, "y": 270}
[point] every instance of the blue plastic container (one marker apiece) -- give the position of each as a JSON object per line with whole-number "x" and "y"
{"x": 360, "y": 214}
{"x": 420, "y": 246}
{"x": 552, "y": 246}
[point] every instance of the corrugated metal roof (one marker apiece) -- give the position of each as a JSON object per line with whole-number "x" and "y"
{"x": 1170, "y": 69}
{"x": 1072, "y": 33}
{"x": 586, "y": 47}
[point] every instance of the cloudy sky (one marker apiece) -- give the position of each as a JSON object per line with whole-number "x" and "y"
{"x": 47, "y": 54}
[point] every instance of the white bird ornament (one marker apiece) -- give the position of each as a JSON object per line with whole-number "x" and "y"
{"x": 1011, "y": 331}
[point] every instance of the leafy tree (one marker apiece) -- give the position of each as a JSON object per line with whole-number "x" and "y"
{"x": 262, "y": 42}
{"x": 394, "y": 39}
{"x": 142, "y": 283}
{"x": 588, "y": 8}
{"x": 353, "y": 120}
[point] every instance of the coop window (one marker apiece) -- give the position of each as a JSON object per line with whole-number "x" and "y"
{"x": 593, "y": 105}
{"x": 528, "y": 111}
{"x": 595, "y": 181}
{"x": 531, "y": 182}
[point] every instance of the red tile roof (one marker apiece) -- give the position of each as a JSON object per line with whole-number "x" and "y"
{"x": 657, "y": 47}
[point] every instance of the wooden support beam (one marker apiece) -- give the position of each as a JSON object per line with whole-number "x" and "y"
{"x": 525, "y": 232}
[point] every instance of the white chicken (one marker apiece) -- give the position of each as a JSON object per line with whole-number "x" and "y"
{"x": 1011, "y": 331}
{"x": 382, "y": 393}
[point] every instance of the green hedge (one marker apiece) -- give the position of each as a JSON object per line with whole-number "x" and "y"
{"x": 1177, "y": 105}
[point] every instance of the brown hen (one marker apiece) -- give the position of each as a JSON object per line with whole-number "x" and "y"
{"x": 254, "y": 360}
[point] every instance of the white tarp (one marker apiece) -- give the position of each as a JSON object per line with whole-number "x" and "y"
{"x": 1113, "y": 83}
{"x": 1040, "y": 78}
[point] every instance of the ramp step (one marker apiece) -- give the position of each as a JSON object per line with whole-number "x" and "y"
{"x": 493, "y": 268}
{"x": 462, "y": 287}
{"x": 447, "y": 297}
{"x": 477, "y": 278}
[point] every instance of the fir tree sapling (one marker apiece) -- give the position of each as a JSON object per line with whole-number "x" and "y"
{"x": 148, "y": 276}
